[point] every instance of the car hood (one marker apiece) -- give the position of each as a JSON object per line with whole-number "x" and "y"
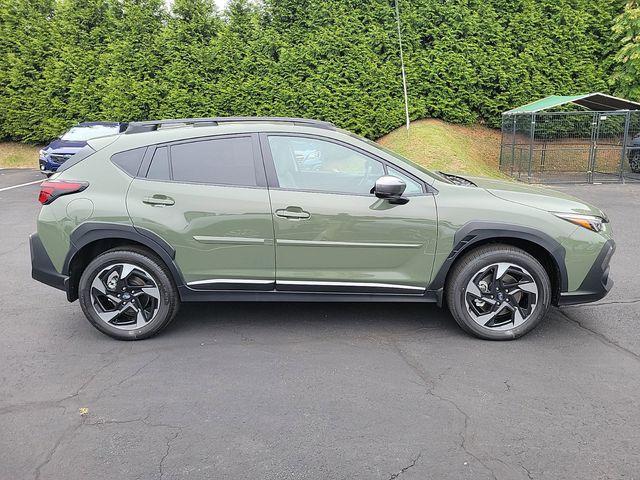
{"x": 535, "y": 196}
{"x": 64, "y": 146}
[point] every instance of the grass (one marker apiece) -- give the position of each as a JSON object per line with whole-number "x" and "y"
{"x": 437, "y": 145}
{"x": 18, "y": 155}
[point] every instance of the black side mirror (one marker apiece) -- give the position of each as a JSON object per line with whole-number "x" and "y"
{"x": 390, "y": 188}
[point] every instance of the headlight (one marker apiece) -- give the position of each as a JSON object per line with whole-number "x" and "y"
{"x": 42, "y": 153}
{"x": 590, "y": 222}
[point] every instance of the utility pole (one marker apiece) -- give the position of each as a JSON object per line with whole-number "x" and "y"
{"x": 404, "y": 77}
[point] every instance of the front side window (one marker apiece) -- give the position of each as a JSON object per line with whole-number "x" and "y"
{"x": 313, "y": 164}
{"x": 221, "y": 161}
{"x": 413, "y": 187}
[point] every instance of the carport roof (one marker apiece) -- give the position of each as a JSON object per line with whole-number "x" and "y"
{"x": 593, "y": 101}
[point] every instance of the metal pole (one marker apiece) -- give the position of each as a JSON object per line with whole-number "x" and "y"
{"x": 404, "y": 77}
{"x": 531, "y": 140}
{"x": 513, "y": 144}
{"x": 595, "y": 125}
{"x": 625, "y": 140}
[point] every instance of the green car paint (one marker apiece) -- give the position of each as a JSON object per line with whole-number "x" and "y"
{"x": 222, "y": 232}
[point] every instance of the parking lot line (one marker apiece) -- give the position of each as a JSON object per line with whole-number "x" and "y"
{"x": 21, "y": 185}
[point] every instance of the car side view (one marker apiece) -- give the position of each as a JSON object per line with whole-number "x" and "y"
{"x": 288, "y": 209}
{"x": 72, "y": 141}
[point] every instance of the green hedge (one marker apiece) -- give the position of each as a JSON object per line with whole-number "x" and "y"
{"x": 64, "y": 61}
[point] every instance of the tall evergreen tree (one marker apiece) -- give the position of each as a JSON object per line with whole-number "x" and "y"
{"x": 626, "y": 77}
{"x": 187, "y": 71}
{"x": 131, "y": 60}
{"x": 75, "y": 78}
{"x": 24, "y": 50}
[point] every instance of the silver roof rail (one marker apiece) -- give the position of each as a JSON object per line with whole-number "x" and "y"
{"x": 153, "y": 125}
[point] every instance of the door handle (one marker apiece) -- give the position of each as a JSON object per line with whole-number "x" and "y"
{"x": 294, "y": 213}
{"x": 159, "y": 200}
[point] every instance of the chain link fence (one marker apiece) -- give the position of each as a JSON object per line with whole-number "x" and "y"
{"x": 571, "y": 147}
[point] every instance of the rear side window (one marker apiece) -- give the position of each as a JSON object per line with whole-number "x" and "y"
{"x": 130, "y": 160}
{"x": 159, "y": 168}
{"x": 221, "y": 161}
{"x": 80, "y": 155}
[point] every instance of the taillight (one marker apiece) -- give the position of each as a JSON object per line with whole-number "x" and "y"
{"x": 52, "y": 189}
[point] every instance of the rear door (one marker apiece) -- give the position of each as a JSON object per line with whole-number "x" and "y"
{"x": 207, "y": 198}
{"x": 332, "y": 234}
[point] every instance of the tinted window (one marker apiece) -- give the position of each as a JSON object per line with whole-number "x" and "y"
{"x": 312, "y": 164}
{"x": 159, "y": 168}
{"x": 413, "y": 187}
{"x": 76, "y": 158}
{"x": 130, "y": 160}
{"x": 223, "y": 161}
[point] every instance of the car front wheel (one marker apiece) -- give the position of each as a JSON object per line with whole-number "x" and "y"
{"x": 127, "y": 293}
{"x": 498, "y": 292}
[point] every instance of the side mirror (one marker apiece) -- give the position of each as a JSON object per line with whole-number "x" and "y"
{"x": 390, "y": 188}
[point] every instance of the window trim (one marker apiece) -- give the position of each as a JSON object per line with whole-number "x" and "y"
{"x": 258, "y": 164}
{"x": 272, "y": 176}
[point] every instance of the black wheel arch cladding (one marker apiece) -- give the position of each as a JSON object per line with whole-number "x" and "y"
{"x": 476, "y": 232}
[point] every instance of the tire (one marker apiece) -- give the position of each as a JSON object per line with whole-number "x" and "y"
{"x": 132, "y": 285}
{"x": 472, "y": 287}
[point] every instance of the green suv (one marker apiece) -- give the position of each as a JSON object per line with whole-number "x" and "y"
{"x": 288, "y": 209}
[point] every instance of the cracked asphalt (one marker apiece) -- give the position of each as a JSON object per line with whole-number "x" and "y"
{"x": 313, "y": 391}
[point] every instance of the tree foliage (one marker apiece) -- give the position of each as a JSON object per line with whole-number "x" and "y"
{"x": 626, "y": 76}
{"x": 65, "y": 61}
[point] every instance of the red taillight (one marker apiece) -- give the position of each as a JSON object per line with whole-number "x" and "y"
{"x": 52, "y": 189}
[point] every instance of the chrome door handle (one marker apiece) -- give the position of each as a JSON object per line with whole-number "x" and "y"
{"x": 159, "y": 200}
{"x": 292, "y": 214}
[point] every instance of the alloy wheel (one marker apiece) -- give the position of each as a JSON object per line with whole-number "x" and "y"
{"x": 125, "y": 296}
{"x": 501, "y": 296}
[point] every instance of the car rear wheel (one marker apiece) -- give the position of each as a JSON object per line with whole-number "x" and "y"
{"x": 498, "y": 292}
{"x": 128, "y": 294}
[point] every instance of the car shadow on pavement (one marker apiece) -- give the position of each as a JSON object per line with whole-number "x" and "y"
{"x": 300, "y": 318}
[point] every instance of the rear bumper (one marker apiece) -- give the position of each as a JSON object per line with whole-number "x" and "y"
{"x": 42, "y": 268}
{"x": 597, "y": 283}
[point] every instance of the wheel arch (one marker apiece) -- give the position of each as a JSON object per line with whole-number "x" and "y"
{"x": 91, "y": 239}
{"x": 540, "y": 245}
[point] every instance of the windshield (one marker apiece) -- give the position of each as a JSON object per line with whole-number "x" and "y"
{"x": 400, "y": 157}
{"x": 81, "y": 134}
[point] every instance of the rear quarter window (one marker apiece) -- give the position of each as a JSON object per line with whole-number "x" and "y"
{"x": 129, "y": 161}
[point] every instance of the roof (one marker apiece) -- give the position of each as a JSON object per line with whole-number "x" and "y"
{"x": 600, "y": 102}
{"x": 153, "y": 125}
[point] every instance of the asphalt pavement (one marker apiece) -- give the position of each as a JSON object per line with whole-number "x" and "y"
{"x": 317, "y": 391}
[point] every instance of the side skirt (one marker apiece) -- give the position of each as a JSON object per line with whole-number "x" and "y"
{"x": 190, "y": 295}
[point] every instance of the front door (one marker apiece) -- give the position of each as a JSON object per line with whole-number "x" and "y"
{"x": 208, "y": 199}
{"x": 331, "y": 233}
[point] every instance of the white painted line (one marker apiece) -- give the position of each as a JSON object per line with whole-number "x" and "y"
{"x": 21, "y": 185}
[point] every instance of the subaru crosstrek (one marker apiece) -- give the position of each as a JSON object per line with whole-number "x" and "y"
{"x": 61, "y": 149}
{"x": 283, "y": 209}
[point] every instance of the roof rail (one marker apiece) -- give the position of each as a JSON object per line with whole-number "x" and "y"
{"x": 153, "y": 125}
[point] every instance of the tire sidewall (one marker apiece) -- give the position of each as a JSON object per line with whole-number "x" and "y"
{"x": 166, "y": 308}
{"x": 457, "y": 301}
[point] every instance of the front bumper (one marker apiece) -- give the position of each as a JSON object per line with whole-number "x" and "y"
{"x": 42, "y": 268}
{"x": 47, "y": 167}
{"x": 597, "y": 282}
